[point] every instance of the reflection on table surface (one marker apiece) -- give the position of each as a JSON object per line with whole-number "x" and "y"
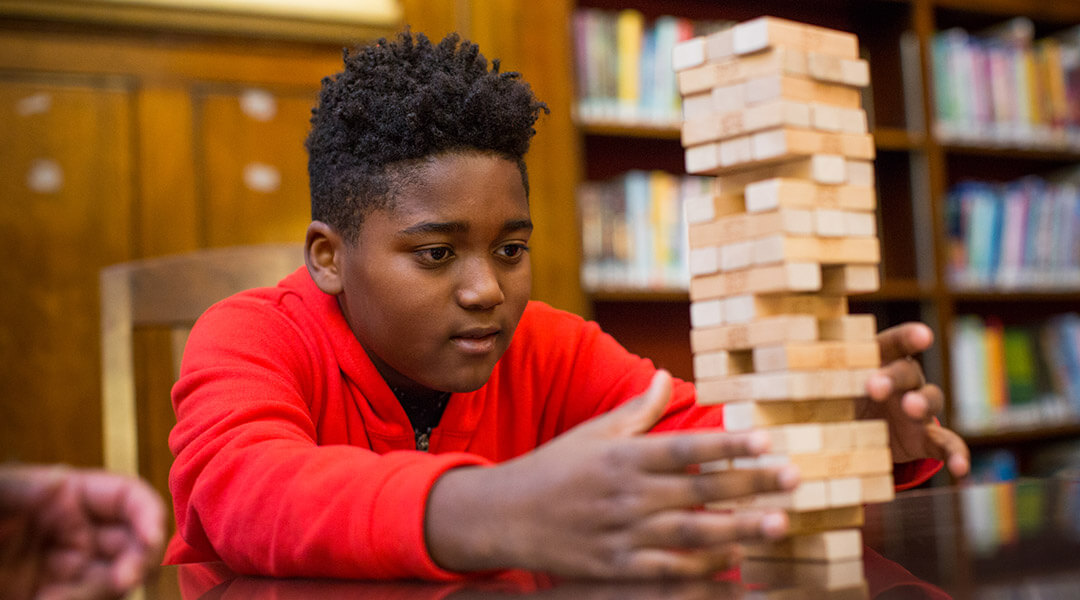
{"x": 1012, "y": 540}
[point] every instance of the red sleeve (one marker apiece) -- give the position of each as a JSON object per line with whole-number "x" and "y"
{"x": 250, "y": 483}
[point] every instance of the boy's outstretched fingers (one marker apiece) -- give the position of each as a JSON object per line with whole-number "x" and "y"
{"x": 948, "y": 446}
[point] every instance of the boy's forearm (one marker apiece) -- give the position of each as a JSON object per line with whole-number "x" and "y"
{"x": 461, "y": 532}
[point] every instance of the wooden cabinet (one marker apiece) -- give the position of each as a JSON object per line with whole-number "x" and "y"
{"x": 122, "y": 142}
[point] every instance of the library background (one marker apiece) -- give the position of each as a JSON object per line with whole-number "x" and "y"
{"x": 132, "y": 132}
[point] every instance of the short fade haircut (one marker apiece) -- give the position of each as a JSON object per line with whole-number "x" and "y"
{"x": 399, "y": 102}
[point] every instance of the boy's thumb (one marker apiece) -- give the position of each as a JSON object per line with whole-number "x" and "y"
{"x": 640, "y": 413}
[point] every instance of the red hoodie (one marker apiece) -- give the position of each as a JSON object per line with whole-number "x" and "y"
{"x": 294, "y": 458}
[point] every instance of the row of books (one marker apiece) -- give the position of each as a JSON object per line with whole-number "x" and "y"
{"x": 623, "y": 69}
{"x": 633, "y": 230}
{"x": 1015, "y": 377}
{"x": 1004, "y": 87}
{"x": 1023, "y": 234}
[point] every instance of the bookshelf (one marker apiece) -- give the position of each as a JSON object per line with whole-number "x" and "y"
{"x": 918, "y": 170}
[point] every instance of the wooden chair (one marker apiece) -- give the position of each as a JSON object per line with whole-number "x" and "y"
{"x": 167, "y": 294}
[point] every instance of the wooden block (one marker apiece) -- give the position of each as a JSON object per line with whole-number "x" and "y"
{"x": 816, "y": 575}
{"x": 871, "y": 433}
{"x": 788, "y": 142}
{"x": 688, "y": 53}
{"x": 822, "y": 168}
{"x": 740, "y": 417}
{"x": 810, "y": 521}
{"x": 747, "y": 335}
{"x": 747, "y": 226}
{"x": 702, "y": 209}
{"x": 798, "y": 438}
{"x": 771, "y": 279}
{"x": 823, "y": 250}
{"x": 826, "y": 117}
{"x": 765, "y": 32}
{"x": 838, "y": 544}
{"x": 857, "y": 591}
{"x": 723, "y": 125}
{"x": 696, "y": 106}
{"x": 860, "y": 172}
{"x": 828, "y": 464}
{"x": 702, "y": 261}
{"x": 834, "y": 69}
{"x": 849, "y": 328}
{"x": 739, "y": 255}
{"x": 810, "y": 438}
{"x": 807, "y": 496}
{"x": 844, "y": 492}
{"x": 796, "y": 385}
{"x": 806, "y": 356}
{"x": 721, "y": 363}
{"x": 720, "y": 45}
{"x": 849, "y": 279}
{"x": 780, "y": 193}
{"x": 831, "y": 222}
{"x": 712, "y": 72}
{"x": 707, "y": 313}
{"x": 776, "y": 87}
{"x": 878, "y": 488}
{"x": 744, "y": 308}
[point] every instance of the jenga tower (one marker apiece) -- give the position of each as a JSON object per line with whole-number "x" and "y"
{"x": 773, "y": 109}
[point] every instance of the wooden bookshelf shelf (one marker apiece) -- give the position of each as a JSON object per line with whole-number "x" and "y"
{"x": 891, "y": 138}
{"x": 1034, "y": 435}
{"x": 1013, "y": 153}
{"x": 639, "y": 295}
{"x": 612, "y": 129}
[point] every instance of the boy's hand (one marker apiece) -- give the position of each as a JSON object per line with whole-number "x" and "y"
{"x": 75, "y": 533}
{"x": 604, "y": 500}
{"x": 899, "y": 394}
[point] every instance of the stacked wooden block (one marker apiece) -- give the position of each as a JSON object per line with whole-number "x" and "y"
{"x": 773, "y": 109}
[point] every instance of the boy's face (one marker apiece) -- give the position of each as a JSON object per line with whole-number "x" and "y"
{"x": 436, "y": 284}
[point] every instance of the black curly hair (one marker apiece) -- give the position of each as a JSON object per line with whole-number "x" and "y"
{"x": 399, "y": 102}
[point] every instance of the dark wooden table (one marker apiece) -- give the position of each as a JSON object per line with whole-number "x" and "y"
{"x": 1017, "y": 540}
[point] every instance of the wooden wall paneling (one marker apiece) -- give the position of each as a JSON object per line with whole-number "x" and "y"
{"x": 436, "y": 18}
{"x": 253, "y": 164}
{"x": 167, "y": 214}
{"x": 66, "y": 211}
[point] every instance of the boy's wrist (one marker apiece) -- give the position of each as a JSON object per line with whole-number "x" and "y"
{"x": 457, "y": 523}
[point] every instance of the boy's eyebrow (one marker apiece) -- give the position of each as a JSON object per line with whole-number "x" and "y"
{"x": 461, "y": 227}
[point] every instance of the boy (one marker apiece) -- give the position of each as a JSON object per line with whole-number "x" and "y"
{"x": 398, "y": 408}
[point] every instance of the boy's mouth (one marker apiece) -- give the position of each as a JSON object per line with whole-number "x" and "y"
{"x": 476, "y": 341}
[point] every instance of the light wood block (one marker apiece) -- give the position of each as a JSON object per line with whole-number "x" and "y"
{"x": 838, "y": 544}
{"x": 849, "y": 328}
{"x": 747, "y": 335}
{"x": 772, "y": 146}
{"x": 688, "y": 54}
{"x": 857, "y": 591}
{"x": 829, "y": 464}
{"x": 832, "y": 222}
{"x": 807, "y": 496}
{"x": 809, "y": 356}
{"x": 707, "y": 313}
{"x": 747, "y": 226}
{"x": 860, "y": 173}
{"x": 780, "y": 193}
{"x": 878, "y": 488}
{"x": 696, "y": 106}
{"x": 849, "y": 279}
{"x": 782, "y": 329}
{"x": 788, "y": 142}
{"x": 702, "y": 209}
{"x": 844, "y": 492}
{"x": 810, "y": 438}
{"x": 823, "y": 250}
{"x": 719, "y": 126}
{"x": 721, "y": 363}
{"x": 826, "y": 117}
{"x": 822, "y": 168}
{"x": 703, "y": 261}
{"x": 811, "y": 521}
{"x": 712, "y": 73}
{"x": 776, "y": 87}
{"x": 797, "y": 385}
{"x": 765, "y": 32}
{"x": 823, "y": 575}
{"x": 771, "y": 279}
{"x": 733, "y": 257}
{"x": 744, "y": 308}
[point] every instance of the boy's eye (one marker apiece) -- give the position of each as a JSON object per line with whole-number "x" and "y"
{"x": 513, "y": 251}
{"x": 436, "y": 255}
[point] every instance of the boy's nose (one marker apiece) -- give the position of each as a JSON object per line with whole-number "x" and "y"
{"x": 479, "y": 287}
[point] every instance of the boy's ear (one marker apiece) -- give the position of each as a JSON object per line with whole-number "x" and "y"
{"x": 324, "y": 253}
